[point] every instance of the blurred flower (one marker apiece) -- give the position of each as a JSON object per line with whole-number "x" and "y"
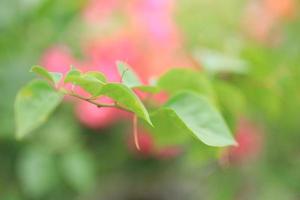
{"x": 99, "y": 10}
{"x": 263, "y": 19}
{"x": 250, "y": 143}
{"x": 58, "y": 59}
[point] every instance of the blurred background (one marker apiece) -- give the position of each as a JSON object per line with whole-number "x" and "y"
{"x": 249, "y": 49}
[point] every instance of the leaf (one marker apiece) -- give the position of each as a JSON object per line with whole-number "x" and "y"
{"x": 127, "y": 98}
{"x": 91, "y": 82}
{"x": 52, "y": 77}
{"x": 37, "y": 172}
{"x": 72, "y": 75}
{"x": 216, "y": 62}
{"x": 231, "y": 100}
{"x": 129, "y": 77}
{"x": 97, "y": 75}
{"x": 201, "y": 119}
{"x": 79, "y": 170}
{"x": 34, "y": 103}
{"x": 147, "y": 88}
{"x": 177, "y": 80}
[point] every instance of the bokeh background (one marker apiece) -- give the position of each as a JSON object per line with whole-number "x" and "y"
{"x": 252, "y": 47}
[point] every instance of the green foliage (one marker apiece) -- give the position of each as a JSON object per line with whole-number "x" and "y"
{"x": 92, "y": 82}
{"x": 177, "y": 80}
{"x": 34, "y": 103}
{"x": 125, "y": 97}
{"x": 129, "y": 77}
{"x": 52, "y": 77}
{"x": 187, "y": 111}
{"x": 200, "y": 118}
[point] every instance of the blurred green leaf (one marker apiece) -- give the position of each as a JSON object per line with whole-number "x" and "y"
{"x": 34, "y": 103}
{"x": 37, "y": 172}
{"x": 201, "y": 119}
{"x": 177, "y": 80}
{"x": 126, "y": 98}
{"x": 231, "y": 101}
{"x": 147, "y": 88}
{"x": 52, "y": 77}
{"x": 129, "y": 77}
{"x": 79, "y": 170}
{"x": 217, "y": 62}
{"x": 131, "y": 80}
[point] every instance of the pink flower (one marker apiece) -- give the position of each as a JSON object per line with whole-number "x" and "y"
{"x": 58, "y": 59}
{"x": 99, "y": 10}
{"x": 250, "y": 142}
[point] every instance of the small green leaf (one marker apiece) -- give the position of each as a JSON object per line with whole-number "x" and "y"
{"x": 53, "y": 77}
{"x": 34, "y": 103}
{"x": 129, "y": 78}
{"x": 91, "y": 82}
{"x": 216, "y": 62}
{"x": 72, "y": 75}
{"x": 126, "y": 98}
{"x": 97, "y": 75}
{"x": 177, "y": 80}
{"x": 201, "y": 118}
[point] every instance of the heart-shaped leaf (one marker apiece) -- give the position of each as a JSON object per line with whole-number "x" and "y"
{"x": 199, "y": 117}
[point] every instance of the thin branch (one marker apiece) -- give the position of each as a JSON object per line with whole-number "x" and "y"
{"x": 99, "y": 105}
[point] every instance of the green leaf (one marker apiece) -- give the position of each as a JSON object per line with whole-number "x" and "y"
{"x": 72, "y": 75}
{"x": 201, "y": 119}
{"x": 126, "y": 98}
{"x": 79, "y": 170}
{"x": 216, "y": 62}
{"x": 52, "y": 77}
{"x": 147, "y": 88}
{"x": 97, "y": 75}
{"x": 231, "y": 100}
{"x": 131, "y": 80}
{"x": 177, "y": 80}
{"x": 129, "y": 77}
{"x": 91, "y": 82}
{"x": 37, "y": 172}
{"x": 34, "y": 103}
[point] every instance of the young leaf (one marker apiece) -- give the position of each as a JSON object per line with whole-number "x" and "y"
{"x": 126, "y": 98}
{"x": 200, "y": 118}
{"x": 129, "y": 78}
{"x": 52, "y": 77}
{"x": 34, "y": 103}
{"x": 92, "y": 82}
{"x": 177, "y": 80}
{"x": 72, "y": 75}
{"x": 97, "y": 75}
